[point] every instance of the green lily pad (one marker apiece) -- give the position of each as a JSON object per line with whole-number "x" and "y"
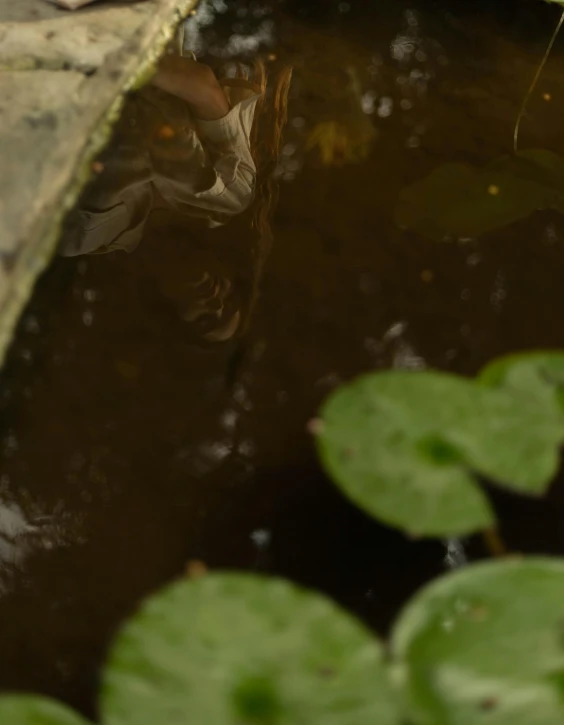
{"x": 384, "y": 440}
{"x": 485, "y": 645}
{"x": 35, "y": 710}
{"x": 235, "y": 649}
{"x": 461, "y": 201}
{"x": 406, "y": 447}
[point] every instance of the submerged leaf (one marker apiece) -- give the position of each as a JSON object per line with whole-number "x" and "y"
{"x": 485, "y": 644}
{"x": 338, "y": 145}
{"x": 235, "y": 648}
{"x": 459, "y": 201}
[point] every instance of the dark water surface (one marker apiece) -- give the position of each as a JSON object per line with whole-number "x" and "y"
{"x": 128, "y": 449}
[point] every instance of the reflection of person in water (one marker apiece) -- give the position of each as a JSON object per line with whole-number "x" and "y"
{"x": 188, "y": 150}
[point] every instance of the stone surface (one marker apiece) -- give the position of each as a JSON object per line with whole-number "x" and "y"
{"x": 27, "y": 11}
{"x": 62, "y": 79}
{"x": 79, "y": 41}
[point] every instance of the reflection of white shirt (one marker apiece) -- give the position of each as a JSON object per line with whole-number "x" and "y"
{"x": 206, "y": 171}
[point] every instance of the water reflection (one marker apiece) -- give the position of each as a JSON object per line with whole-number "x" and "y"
{"x": 190, "y": 153}
{"x": 164, "y": 157}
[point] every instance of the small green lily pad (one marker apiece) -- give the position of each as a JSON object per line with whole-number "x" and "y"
{"x": 485, "y": 645}
{"x": 236, "y": 649}
{"x": 407, "y": 446}
{"x": 35, "y": 710}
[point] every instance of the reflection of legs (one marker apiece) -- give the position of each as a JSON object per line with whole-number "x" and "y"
{"x": 195, "y": 83}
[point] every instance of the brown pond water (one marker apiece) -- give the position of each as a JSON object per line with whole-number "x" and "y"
{"x": 128, "y": 449}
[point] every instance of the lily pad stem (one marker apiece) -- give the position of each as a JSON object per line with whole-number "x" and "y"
{"x": 494, "y": 543}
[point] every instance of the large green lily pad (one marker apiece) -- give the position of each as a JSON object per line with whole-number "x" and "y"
{"x": 407, "y": 446}
{"x": 384, "y": 440}
{"x": 461, "y": 201}
{"x": 35, "y": 710}
{"x": 485, "y": 645}
{"x": 234, "y": 649}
